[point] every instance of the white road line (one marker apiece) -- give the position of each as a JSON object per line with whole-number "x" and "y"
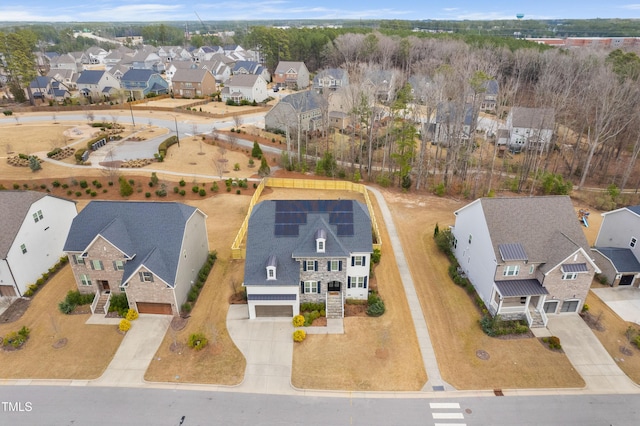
{"x": 444, "y": 405}
{"x": 448, "y": 415}
{"x": 450, "y": 424}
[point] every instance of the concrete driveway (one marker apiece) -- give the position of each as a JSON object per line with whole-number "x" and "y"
{"x": 136, "y": 351}
{"x": 588, "y": 356}
{"x": 625, "y": 301}
{"x": 267, "y": 345}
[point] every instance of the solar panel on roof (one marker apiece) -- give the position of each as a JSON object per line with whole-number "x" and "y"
{"x": 340, "y": 217}
{"x": 285, "y": 230}
{"x": 291, "y": 217}
{"x": 344, "y": 230}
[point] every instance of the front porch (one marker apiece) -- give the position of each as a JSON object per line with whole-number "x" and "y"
{"x": 520, "y": 299}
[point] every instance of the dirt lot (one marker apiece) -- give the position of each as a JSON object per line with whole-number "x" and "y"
{"x": 453, "y": 317}
{"x": 88, "y": 349}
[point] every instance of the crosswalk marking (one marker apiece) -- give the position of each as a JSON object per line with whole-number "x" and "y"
{"x": 448, "y": 415}
{"x": 444, "y": 405}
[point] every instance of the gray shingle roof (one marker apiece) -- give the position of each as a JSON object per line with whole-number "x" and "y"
{"x": 533, "y": 118}
{"x": 635, "y": 209}
{"x": 263, "y": 243}
{"x": 90, "y": 77}
{"x": 152, "y": 231}
{"x": 303, "y": 101}
{"x": 138, "y": 75}
{"x": 14, "y": 206}
{"x": 546, "y": 227}
{"x": 242, "y": 80}
{"x": 191, "y": 75}
{"x": 622, "y": 258}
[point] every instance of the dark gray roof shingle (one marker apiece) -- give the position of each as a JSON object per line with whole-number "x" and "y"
{"x": 150, "y": 231}
{"x": 14, "y": 206}
{"x": 622, "y": 258}
{"x": 262, "y": 242}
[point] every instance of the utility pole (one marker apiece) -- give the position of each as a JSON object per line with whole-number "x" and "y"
{"x": 134, "y": 121}
{"x": 175, "y": 120}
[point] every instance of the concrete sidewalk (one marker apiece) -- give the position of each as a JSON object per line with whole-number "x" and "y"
{"x": 129, "y": 364}
{"x": 267, "y": 345}
{"x": 435, "y": 381}
{"x": 590, "y": 359}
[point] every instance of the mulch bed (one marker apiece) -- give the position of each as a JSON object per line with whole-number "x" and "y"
{"x": 179, "y": 323}
{"x": 482, "y": 354}
{"x": 81, "y": 310}
{"x": 527, "y": 335}
{"x": 319, "y": 322}
{"x": 15, "y": 311}
{"x": 237, "y": 299}
{"x": 592, "y": 321}
{"x": 355, "y": 310}
{"x": 60, "y": 343}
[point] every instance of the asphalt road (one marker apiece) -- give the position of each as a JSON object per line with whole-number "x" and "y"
{"x": 36, "y": 405}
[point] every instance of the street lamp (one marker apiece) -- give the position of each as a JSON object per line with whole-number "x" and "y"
{"x": 175, "y": 120}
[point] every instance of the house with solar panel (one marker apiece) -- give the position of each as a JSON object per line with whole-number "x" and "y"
{"x": 617, "y": 246}
{"x": 527, "y": 257}
{"x": 151, "y": 251}
{"x": 306, "y": 251}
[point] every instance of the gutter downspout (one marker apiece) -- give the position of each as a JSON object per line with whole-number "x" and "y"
{"x": 15, "y": 284}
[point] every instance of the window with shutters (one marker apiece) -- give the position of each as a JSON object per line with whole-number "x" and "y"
{"x": 310, "y": 287}
{"x": 334, "y": 265}
{"x": 78, "y": 259}
{"x": 358, "y": 260}
{"x": 358, "y": 282}
{"x": 118, "y": 265}
{"x": 97, "y": 265}
{"x": 310, "y": 265}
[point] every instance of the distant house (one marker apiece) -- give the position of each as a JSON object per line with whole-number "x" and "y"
{"x": 191, "y": 83}
{"x": 93, "y": 83}
{"x": 147, "y": 59}
{"x": 34, "y": 228}
{"x": 530, "y": 128}
{"x": 302, "y": 109}
{"x": 245, "y": 87}
{"x": 251, "y": 68}
{"x": 151, "y": 251}
{"x": 330, "y": 79}
{"x": 65, "y": 62}
{"x": 306, "y": 251}
{"x": 293, "y": 75}
{"x": 453, "y": 122}
{"x": 64, "y": 77}
{"x": 617, "y": 246}
{"x": 139, "y": 83}
{"x": 527, "y": 257}
{"x": 40, "y": 88}
{"x": 382, "y": 83}
{"x": 220, "y": 69}
{"x": 489, "y": 95}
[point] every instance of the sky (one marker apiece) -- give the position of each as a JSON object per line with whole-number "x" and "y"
{"x": 178, "y": 10}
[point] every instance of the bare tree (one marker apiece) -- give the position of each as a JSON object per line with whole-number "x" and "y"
{"x": 220, "y": 161}
{"x": 90, "y": 116}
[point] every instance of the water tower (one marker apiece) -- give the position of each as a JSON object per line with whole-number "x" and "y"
{"x": 520, "y": 16}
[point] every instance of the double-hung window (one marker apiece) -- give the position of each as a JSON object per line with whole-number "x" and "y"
{"x": 146, "y": 277}
{"x": 37, "y": 216}
{"x": 85, "y": 280}
{"x": 310, "y": 287}
{"x": 97, "y": 265}
{"x": 118, "y": 265}
{"x": 569, "y": 276}
{"x": 511, "y": 270}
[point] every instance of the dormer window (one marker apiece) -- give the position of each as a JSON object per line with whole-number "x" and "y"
{"x": 272, "y": 262}
{"x": 321, "y": 239}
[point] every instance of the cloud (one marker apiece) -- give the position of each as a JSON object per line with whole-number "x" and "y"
{"x": 632, "y": 6}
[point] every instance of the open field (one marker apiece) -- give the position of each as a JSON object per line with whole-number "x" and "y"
{"x": 88, "y": 350}
{"x": 453, "y": 317}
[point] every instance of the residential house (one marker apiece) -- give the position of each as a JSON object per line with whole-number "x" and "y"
{"x": 192, "y": 83}
{"x": 489, "y": 95}
{"x": 96, "y": 55}
{"x": 251, "y": 68}
{"x": 294, "y": 75}
{"x": 527, "y": 257}
{"x": 92, "y": 84}
{"x": 530, "y": 128}
{"x": 421, "y": 88}
{"x": 306, "y": 251}
{"x": 151, "y": 251}
{"x": 617, "y": 246}
{"x": 205, "y": 53}
{"x": 40, "y": 88}
{"x": 453, "y": 123}
{"x": 303, "y": 109}
{"x": 382, "y": 83}
{"x": 34, "y": 228}
{"x": 330, "y": 79}
{"x": 245, "y": 87}
{"x": 64, "y": 77}
{"x": 219, "y": 68}
{"x": 139, "y": 83}
{"x": 147, "y": 59}
{"x": 64, "y": 62}
{"x": 174, "y": 66}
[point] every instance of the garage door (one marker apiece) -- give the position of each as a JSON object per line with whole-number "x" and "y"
{"x": 626, "y": 279}
{"x": 274, "y": 311}
{"x": 154, "y": 308}
{"x": 7, "y": 291}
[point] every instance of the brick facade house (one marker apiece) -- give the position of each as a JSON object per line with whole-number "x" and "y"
{"x": 151, "y": 251}
{"x": 527, "y": 257}
{"x": 307, "y": 251}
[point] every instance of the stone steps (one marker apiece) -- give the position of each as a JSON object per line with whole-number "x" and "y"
{"x": 334, "y": 306}
{"x": 101, "y": 304}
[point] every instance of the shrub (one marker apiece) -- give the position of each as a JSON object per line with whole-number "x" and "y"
{"x": 192, "y": 296}
{"x": 182, "y": 182}
{"x": 375, "y": 257}
{"x": 298, "y": 321}
{"x": 197, "y": 341}
{"x": 132, "y": 315}
{"x": 147, "y": 194}
{"x": 66, "y": 307}
{"x": 636, "y": 341}
{"x": 125, "y": 325}
{"x": 78, "y": 194}
{"x": 119, "y": 304}
{"x": 16, "y": 186}
{"x": 186, "y": 307}
{"x": 17, "y": 338}
{"x": 585, "y": 308}
{"x": 164, "y": 146}
{"x": 202, "y": 192}
{"x": 79, "y": 153}
{"x": 299, "y": 335}
{"x": 195, "y": 189}
{"x": 376, "y": 309}
{"x": 125, "y": 187}
{"x": 34, "y": 163}
{"x": 83, "y": 184}
{"x": 183, "y": 192}
{"x": 176, "y": 189}
{"x": 256, "y": 151}
{"x": 214, "y": 187}
{"x": 554, "y": 342}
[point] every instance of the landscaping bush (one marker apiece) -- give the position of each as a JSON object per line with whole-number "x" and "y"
{"x": 299, "y": 336}
{"x": 183, "y": 192}
{"x": 554, "y": 342}
{"x": 375, "y": 306}
{"x": 195, "y": 189}
{"x": 125, "y": 187}
{"x": 256, "y": 151}
{"x": 495, "y": 326}
{"x": 202, "y": 192}
{"x": 182, "y": 182}
{"x": 65, "y": 307}
{"x": 310, "y": 317}
{"x": 54, "y": 152}
{"x": 125, "y": 325}
{"x": 119, "y": 304}
{"x": 298, "y": 321}
{"x": 132, "y": 315}
{"x": 375, "y": 257}
{"x": 310, "y": 307}
{"x": 17, "y": 338}
{"x": 186, "y": 307}
{"x": 197, "y": 341}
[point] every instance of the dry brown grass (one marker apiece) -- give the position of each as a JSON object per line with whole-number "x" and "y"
{"x": 374, "y": 354}
{"x": 89, "y": 348}
{"x": 613, "y": 336}
{"x": 221, "y": 362}
{"x": 453, "y": 317}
